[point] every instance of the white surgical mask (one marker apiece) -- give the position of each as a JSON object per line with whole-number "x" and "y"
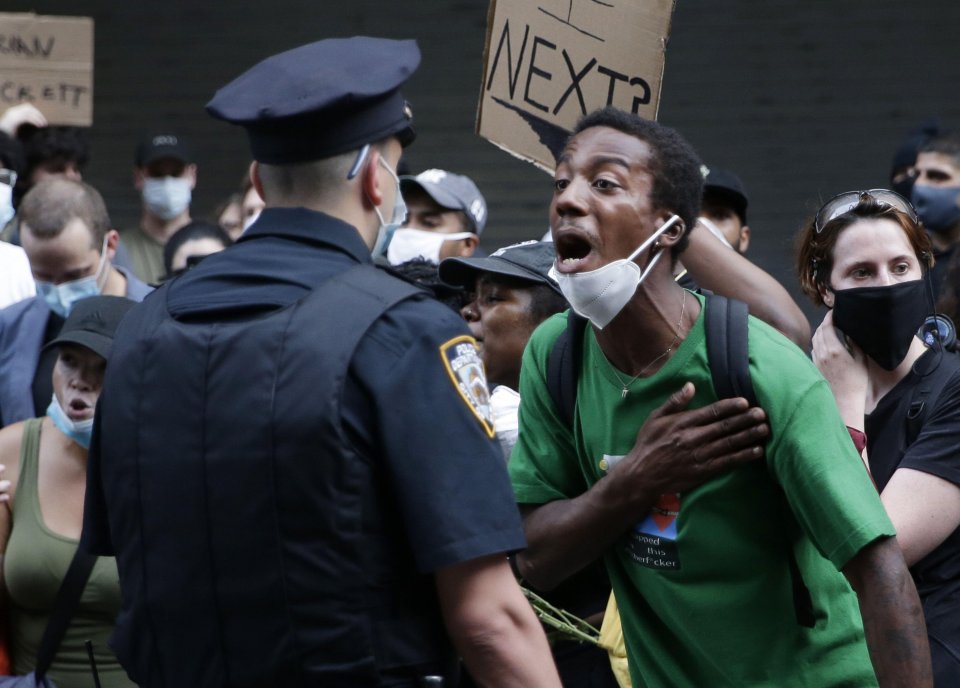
{"x": 166, "y": 197}
{"x": 60, "y": 298}
{"x": 408, "y": 244}
{"x": 599, "y": 295}
{"x": 387, "y": 229}
{"x": 77, "y": 430}
{"x": 505, "y": 405}
{"x": 714, "y": 230}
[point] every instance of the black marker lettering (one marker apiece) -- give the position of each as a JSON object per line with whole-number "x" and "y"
{"x": 576, "y": 78}
{"x": 512, "y": 76}
{"x": 537, "y": 41}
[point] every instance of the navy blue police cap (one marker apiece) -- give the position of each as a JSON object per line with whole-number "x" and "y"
{"x": 322, "y": 99}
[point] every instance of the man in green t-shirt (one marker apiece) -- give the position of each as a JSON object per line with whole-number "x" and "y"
{"x": 701, "y": 562}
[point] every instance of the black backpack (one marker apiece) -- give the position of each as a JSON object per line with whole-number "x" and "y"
{"x": 725, "y": 322}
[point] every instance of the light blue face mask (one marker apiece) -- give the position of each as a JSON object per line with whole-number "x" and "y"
{"x": 167, "y": 197}
{"x": 61, "y": 297}
{"x": 387, "y": 229}
{"x": 77, "y": 430}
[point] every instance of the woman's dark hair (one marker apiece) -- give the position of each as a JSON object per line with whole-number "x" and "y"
{"x": 198, "y": 229}
{"x": 814, "y": 250}
{"x": 674, "y": 165}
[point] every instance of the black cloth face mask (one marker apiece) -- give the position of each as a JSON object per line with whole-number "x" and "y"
{"x": 882, "y": 320}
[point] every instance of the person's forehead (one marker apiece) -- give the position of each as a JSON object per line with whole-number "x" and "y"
{"x": 165, "y": 167}
{"x": 75, "y": 237}
{"x": 418, "y": 199}
{"x": 493, "y": 280}
{"x": 938, "y": 161}
{"x": 715, "y": 203}
{"x": 871, "y": 238}
{"x": 79, "y": 351}
{"x": 600, "y": 143}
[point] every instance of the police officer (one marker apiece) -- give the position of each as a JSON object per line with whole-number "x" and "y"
{"x": 301, "y": 485}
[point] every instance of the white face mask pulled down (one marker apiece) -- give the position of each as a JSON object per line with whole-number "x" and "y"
{"x": 408, "y": 244}
{"x": 599, "y": 295}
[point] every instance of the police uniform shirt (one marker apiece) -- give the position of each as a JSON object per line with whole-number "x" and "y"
{"x": 403, "y": 404}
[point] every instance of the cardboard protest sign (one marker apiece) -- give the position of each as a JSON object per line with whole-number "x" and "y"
{"x": 548, "y": 62}
{"x": 48, "y": 61}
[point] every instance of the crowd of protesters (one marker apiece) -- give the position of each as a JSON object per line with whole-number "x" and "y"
{"x": 324, "y": 438}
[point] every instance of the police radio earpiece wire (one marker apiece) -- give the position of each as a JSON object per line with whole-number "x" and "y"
{"x": 358, "y": 163}
{"x": 937, "y": 340}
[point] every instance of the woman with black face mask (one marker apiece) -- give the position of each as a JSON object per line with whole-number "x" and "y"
{"x": 866, "y": 257}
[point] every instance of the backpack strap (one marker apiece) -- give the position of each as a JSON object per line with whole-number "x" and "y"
{"x": 727, "y": 329}
{"x": 725, "y": 322}
{"x": 563, "y": 367}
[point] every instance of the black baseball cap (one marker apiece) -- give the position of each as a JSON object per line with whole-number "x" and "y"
{"x": 93, "y": 322}
{"x": 322, "y": 99}
{"x": 159, "y": 146}
{"x": 529, "y": 260}
{"x": 727, "y": 187}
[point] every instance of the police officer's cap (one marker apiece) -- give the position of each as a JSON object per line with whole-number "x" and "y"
{"x": 322, "y": 99}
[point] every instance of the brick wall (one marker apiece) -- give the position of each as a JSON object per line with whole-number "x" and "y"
{"x": 802, "y": 98}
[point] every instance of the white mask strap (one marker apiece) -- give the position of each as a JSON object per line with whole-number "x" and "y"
{"x": 656, "y": 235}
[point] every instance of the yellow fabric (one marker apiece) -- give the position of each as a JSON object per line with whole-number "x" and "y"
{"x": 611, "y": 640}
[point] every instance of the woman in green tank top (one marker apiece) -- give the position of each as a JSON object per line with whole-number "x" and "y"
{"x": 45, "y": 463}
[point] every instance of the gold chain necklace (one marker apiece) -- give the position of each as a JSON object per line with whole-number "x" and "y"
{"x": 676, "y": 337}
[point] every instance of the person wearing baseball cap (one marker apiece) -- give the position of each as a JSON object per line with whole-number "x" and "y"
{"x": 724, "y": 209}
{"x": 446, "y": 214}
{"x": 45, "y": 462}
{"x": 165, "y": 174}
{"x": 307, "y": 439}
{"x": 513, "y": 293}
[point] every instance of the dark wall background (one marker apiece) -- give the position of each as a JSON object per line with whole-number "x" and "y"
{"x": 802, "y": 99}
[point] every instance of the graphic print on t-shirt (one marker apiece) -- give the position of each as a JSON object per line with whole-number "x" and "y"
{"x": 653, "y": 542}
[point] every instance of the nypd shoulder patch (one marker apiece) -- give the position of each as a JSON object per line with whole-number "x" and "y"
{"x": 461, "y": 358}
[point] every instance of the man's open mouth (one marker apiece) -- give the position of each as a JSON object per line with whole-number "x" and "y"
{"x": 572, "y": 249}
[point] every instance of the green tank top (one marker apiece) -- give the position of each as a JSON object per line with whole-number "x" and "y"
{"x": 34, "y": 566}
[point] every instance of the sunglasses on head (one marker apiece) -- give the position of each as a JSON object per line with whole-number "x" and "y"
{"x": 848, "y": 200}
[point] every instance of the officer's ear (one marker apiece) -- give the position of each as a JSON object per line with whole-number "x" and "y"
{"x": 371, "y": 182}
{"x": 255, "y": 180}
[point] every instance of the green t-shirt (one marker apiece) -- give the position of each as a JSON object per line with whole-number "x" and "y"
{"x": 703, "y": 582}
{"x": 146, "y": 254}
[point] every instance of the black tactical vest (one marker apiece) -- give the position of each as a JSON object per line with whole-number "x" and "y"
{"x": 256, "y": 546}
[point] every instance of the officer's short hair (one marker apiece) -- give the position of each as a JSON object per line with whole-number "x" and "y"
{"x": 50, "y": 206}
{"x": 312, "y": 180}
